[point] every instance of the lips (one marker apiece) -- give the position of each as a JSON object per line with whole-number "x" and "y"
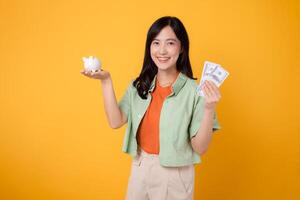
{"x": 163, "y": 59}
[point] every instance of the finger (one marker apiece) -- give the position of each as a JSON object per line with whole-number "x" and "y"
{"x": 88, "y": 74}
{"x": 206, "y": 90}
{"x": 216, "y": 88}
{"x": 214, "y": 91}
{"x": 207, "y": 86}
{"x": 212, "y": 84}
{"x": 83, "y": 72}
{"x": 213, "y": 88}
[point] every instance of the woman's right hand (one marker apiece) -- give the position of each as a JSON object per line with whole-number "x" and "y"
{"x": 100, "y": 74}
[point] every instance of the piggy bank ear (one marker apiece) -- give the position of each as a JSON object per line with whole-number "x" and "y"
{"x": 84, "y": 59}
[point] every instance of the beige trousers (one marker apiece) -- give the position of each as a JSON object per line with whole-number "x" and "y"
{"x": 151, "y": 181}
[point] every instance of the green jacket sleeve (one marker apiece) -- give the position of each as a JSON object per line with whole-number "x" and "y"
{"x": 197, "y": 117}
{"x": 125, "y": 101}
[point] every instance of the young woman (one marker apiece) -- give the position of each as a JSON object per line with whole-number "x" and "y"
{"x": 169, "y": 126}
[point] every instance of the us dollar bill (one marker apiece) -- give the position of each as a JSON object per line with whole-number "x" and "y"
{"x": 213, "y": 72}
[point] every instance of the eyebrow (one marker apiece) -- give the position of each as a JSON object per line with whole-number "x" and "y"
{"x": 172, "y": 39}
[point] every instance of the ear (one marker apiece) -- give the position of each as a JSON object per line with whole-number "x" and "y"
{"x": 84, "y": 59}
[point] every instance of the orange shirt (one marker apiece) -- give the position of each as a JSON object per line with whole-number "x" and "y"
{"x": 148, "y": 132}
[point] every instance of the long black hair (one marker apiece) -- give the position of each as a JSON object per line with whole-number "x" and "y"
{"x": 149, "y": 70}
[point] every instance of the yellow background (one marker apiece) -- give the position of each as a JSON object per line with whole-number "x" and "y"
{"x": 55, "y": 141}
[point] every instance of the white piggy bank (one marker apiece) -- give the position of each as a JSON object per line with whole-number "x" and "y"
{"x": 91, "y": 64}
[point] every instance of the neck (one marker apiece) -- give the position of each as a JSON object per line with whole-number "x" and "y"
{"x": 167, "y": 77}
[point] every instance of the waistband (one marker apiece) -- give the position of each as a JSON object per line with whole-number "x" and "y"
{"x": 143, "y": 153}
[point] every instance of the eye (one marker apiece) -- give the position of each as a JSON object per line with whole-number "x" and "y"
{"x": 155, "y": 43}
{"x": 171, "y": 43}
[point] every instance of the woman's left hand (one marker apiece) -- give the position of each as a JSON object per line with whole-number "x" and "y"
{"x": 212, "y": 95}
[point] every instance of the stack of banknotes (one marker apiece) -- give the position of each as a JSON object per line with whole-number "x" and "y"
{"x": 213, "y": 72}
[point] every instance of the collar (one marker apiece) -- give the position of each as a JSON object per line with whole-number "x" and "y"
{"x": 176, "y": 86}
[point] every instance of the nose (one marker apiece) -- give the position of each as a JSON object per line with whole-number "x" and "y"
{"x": 162, "y": 49}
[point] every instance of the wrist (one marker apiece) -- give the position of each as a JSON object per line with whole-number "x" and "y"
{"x": 106, "y": 80}
{"x": 209, "y": 110}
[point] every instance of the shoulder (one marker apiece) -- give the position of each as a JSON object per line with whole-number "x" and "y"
{"x": 191, "y": 85}
{"x": 191, "y": 82}
{"x": 130, "y": 85}
{"x": 131, "y": 89}
{"x": 191, "y": 91}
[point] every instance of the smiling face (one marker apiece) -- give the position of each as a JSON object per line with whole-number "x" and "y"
{"x": 165, "y": 49}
